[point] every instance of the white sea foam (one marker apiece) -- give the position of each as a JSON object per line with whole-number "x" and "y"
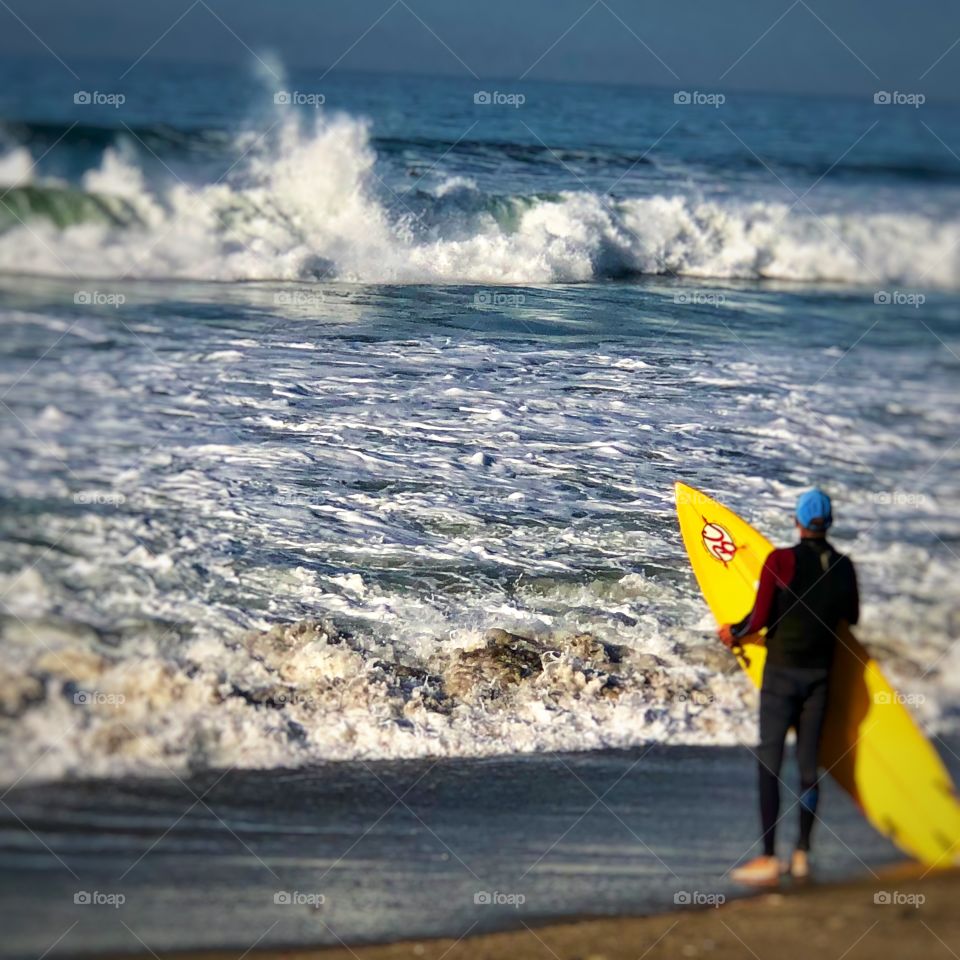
{"x": 16, "y": 168}
{"x": 308, "y": 693}
{"x": 309, "y": 204}
{"x": 398, "y": 508}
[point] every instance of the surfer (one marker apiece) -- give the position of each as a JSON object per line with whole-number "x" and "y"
{"x": 806, "y": 591}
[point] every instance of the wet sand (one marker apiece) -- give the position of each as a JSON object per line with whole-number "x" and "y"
{"x": 607, "y": 834}
{"x": 916, "y": 916}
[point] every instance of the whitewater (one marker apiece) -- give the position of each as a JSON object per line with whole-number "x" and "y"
{"x": 351, "y": 434}
{"x": 305, "y": 201}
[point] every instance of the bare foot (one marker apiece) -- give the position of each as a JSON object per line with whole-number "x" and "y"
{"x": 800, "y": 865}
{"x": 760, "y": 871}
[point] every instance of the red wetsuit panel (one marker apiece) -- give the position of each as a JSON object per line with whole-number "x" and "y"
{"x": 777, "y": 573}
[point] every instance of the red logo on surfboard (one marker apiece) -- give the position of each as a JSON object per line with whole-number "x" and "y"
{"x": 718, "y": 542}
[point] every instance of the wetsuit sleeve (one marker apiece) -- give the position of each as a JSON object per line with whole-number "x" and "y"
{"x": 852, "y": 614}
{"x": 778, "y": 570}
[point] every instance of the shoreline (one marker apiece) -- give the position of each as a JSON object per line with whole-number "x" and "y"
{"x": 842, "y": 919}
{"x": 608, "y": 834}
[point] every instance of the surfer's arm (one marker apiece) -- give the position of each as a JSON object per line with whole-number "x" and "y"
{"x": 852, "y": 614}
{"x": 777, "y": 572}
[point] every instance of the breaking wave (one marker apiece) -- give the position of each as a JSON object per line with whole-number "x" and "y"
{"x": 77, "y": 706}
{"x": 149, "y": 699}
{"x": 311, "y": 202}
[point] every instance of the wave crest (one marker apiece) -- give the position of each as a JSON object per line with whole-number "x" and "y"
{"x": 310, "y": 203}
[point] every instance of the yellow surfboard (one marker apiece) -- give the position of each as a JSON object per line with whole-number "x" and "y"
{"x": 871, "y": 745}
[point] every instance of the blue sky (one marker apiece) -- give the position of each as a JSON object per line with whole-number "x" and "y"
{"x": 852, "y": 47}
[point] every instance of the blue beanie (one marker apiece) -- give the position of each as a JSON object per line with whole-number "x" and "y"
{"x": 814, "y": 510}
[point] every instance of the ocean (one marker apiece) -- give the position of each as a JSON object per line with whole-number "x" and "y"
{"x": 311, "y": 382}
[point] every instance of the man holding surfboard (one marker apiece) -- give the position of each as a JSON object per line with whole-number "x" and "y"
{"x": 806, "y": 591}
{"x": 869, "y": 742}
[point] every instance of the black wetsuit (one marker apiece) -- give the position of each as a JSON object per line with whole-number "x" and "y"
{"x": 805, "y": 592}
